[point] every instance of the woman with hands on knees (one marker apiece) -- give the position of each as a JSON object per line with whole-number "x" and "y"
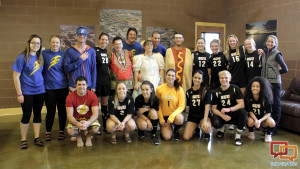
{"x": 259, "y": 100}
{"x": 198, "y": 105}
{"x": 171, "y": 104}
{"x": 146, "y": 106}
{"x": 120, "y": 109}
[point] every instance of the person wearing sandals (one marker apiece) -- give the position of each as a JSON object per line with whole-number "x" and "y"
{"x": 56, "y": 86}
{"x": 146, "y": 106}
{"x": 171, "y": 104}
{"x": 82, "y": 113}
{"x": 228, "y": 107}
{"x": 271, "y": 60}
{"x": 258, "y": 100}
{"x": 29, "y": 84}
{"x": 103, "y": 80}
{"x": 120, "y": 109}
{"x": 198, "y": 105}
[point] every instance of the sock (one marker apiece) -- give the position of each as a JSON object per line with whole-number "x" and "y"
{"x": 238, "y": 133}
{"x": 269, "y": 131}
{"x": 104, "y": 115}
{"x": 177, "y": 127}
{"x": 222, "y": 129}
{"x": 154, "y": 124}
{"x": 251, "y": 129}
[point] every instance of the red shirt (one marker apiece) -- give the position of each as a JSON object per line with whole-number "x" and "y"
{"x": 82, "y": 104}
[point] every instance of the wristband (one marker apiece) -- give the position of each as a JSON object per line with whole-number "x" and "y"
{"x": 230, "y": 109}
{"x": 20, "y": 95}
{"x": 75, "y": 123}
{"x": 123, "y": 122}
{"x": 147, "y": 119}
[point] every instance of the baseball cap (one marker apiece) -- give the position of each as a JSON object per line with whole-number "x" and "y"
{"x": 81, "y": 31}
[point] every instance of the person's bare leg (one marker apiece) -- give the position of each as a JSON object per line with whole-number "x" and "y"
{"x": 36, "y": 129}
{"x": 24, "y": 130}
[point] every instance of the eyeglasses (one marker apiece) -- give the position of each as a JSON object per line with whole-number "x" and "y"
{"x": 35, "y": 43}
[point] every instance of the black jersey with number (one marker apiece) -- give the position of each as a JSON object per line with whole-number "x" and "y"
{"x": 124, "y": 108}
{"x": 140, "y": 103}
{"x": 201, "y": 62}
{"x": 227, "y": 98}
{"x": 253, "y": 63}
{"x": 258, "y": 107}
{"x": 197, "y": 106}
{"x": 102, "y": 66}
{"x": 237, "y": 67}
{"x": 217, "y": 63}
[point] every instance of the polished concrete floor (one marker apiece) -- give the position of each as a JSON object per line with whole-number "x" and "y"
{"x": 140, "y": 154}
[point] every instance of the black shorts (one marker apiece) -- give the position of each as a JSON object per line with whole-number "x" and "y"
{"x": 197, "y": 119}
{"x": 102, "y": 90}
{"x": 166, "y": 118}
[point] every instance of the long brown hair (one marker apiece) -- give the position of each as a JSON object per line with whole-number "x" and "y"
{"x": 227, "y": 52}
{"x": 26, "y": 52}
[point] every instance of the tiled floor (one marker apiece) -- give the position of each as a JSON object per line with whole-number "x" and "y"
{"x": 140, "y": 154}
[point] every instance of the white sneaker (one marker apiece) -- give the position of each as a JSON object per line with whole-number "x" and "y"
{"x": 251, "y": 136}
{"x": 268, "y": 138}
{"x": 231, "y": 127}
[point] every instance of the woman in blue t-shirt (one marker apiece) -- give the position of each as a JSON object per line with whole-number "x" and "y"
{"x": 29, "y": 84}
{"x": 56, "y": 85}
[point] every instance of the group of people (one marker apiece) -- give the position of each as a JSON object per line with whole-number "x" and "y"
{"x": 146, "y": 86}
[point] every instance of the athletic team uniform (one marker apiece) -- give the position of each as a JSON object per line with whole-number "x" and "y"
{"x": 160, "y": 49}
{"x": 201, "y": 63}
{"x": 258, "y": 107}
{"x": 140, "y": 103}
{"x": 217, "y": 62}
{"x": 124, "y": 108}
{"x": 253, "y": 63}
{"x": 56, "y": 85}
{"x": 32, "y": 86}
{"x": 82, "y": 106}
{"x": 76, "y": 67}
{"x": 171, "y": 102}
{"x": 102, "y": 84}
{"x": 197, "y": 106}
{"x": 226, "y": 99}
{"x": 237, "y": 68}
{"x": 135, "y": 49}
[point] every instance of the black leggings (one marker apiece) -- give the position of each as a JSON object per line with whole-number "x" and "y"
{"x": 238, "y": 118}
{"x": 276, "y": 114}
{"x": 35, "y": 103}
{"x": 55, "y": 98}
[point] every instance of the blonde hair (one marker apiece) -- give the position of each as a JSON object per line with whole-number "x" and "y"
{"x": 116, "y": 99}
{"x": 225, "y": 72}
{"x": 253, "y": 44}
{"x": 227, "y": 51}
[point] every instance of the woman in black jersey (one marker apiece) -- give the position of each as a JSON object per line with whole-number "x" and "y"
{"x": 120, "y": 109}
{"x": 103, "y": 80}
{"x": 253, "y": 59}
{"x": 198, "y": 103}
{"x": 258, "y": 100}
{"x": 236, "y": 62}
{"x": 217, "y": 62}
{"x": 146, "y": 107}
{"x": 201, "y": 59}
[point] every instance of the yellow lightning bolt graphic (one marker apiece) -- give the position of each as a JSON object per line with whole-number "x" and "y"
{"x": 133, "y": 52}
{"x": 36, "y": 67}
{"x": 54, "y": 61}
{"x": 180, "y": 68}
{"x": 82, "y": 109}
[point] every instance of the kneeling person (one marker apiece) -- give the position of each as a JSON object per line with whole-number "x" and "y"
{"x": 228, "y": 107}
{"x": 146, "y": 106}
{"x": 82, "y": 113}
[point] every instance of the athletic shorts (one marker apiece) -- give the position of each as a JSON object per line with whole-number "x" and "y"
{"x": 102, "y": 90}
{"x": 95, "y": 124}
{"x": 197, "y": 119}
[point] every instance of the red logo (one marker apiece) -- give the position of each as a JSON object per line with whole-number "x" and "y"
{"x": 284, "y": 149}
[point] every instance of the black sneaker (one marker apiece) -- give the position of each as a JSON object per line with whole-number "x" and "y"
{"x": 141, "y": 134}
{"x": 206, "y": 136}
{"x": 220, "y": 134}
{"x": 238, "y": 142}
{"x": 176, "y": 135}
{"x": 155, "y": 140}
